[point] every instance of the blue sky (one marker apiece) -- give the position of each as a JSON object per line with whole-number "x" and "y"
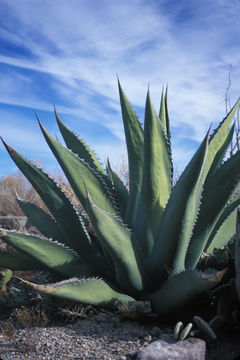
{"x": 68, "y": 52}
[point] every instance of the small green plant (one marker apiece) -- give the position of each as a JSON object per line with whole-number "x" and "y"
{"x": 205, "y": 327}
{"x": 142, "y": 243}
{"x": 181, "y": 333}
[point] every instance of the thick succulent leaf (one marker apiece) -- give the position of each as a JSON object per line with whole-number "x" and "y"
{"x": 51, "y": 194}
{"x": 134, "y": 141}
{"x": 51, "y": 254}
{"x": 222, "y": 236}
{"x": 116, "y": 239}
{"x": 79, "y": 174}
{"x": 168, "y": 132}
{"x": 87, "y": 291}
{"x": 41, "y": 220}
{"x": 219, "y": 136}
{"x": 70, "y": 223}
{"x": 225, "y": 227}
{"x": 49, "y": 191}
{"x": 183, "y": 288}
{"x": 237, "y": 256}
{"x": 163, "y": 114}
{"x": 78, "y": 146}
{"x": 177, "y": 222}
{"x": 157, "y": 178}
{"x": 218, "y": 189}
{"x": 19, "y": 261}
{"x": 219, "y": 157}
{"x": 167, "y": 117}
{"x": 119, "y": 188}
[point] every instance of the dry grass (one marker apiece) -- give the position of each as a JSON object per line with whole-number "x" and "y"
{"x": 23, "y": 318}
{"x": 7, "y": 329}
{"x": 15, "y": 185}
{"x": 30, "y": 317}
{"x": 12, "y": 185}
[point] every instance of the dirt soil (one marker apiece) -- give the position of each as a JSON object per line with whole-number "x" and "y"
{"x": 105, "y": 334}
{"x": 100, "y": 334}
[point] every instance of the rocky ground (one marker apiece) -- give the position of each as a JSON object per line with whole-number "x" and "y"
{"x": 90, "y": 333}
{"x": 33, "y": 327}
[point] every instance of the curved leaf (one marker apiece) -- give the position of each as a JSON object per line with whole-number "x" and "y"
{"x": 134, "y": 140}
{"x": 219, "y": 136}
{"x": 78, "y": 146}
{"x": 19, "y": 261}
{"x": 225, "y": 227}
{"x": 183, "y": 288}
{"x": 80, "y": 173}
{"x": 51, "y": 254}
{"x": 88, "y": 291}
{"x": 217, "y": 191}
{"x": 41, "y": 220}
{"x": 219, "y": 157}
{"x": 70, "y": 223}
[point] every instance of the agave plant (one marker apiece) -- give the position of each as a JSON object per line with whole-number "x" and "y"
{"x": 147, "y": 240}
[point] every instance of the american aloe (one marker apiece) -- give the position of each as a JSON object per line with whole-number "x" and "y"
{"x": 148, "y": 239}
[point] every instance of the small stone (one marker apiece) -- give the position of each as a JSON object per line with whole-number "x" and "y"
{"x": 123, "y": 358}
{"x": 189, "y": 349}
{"x": 132, "y": 354}
{"x": 148, "y": 338}
{"x": 155, "y": 331}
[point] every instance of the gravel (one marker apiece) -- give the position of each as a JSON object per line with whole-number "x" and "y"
{"x": 104, "y": 335}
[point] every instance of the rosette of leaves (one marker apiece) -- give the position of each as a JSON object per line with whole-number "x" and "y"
{"x": 147, "y": 240}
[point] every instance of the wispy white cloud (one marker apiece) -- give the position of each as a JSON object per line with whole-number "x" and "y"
{"x": 70, "y": 54}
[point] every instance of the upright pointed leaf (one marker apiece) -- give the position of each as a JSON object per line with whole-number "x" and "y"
{"x": 167, "y": 118}
{"x": 79, "y": 174}
{"x": 219, "y": 157}
{"x": 219, "y": 136}
{"x": 163, "y": 114}
{"x": 119, "y": 189}
{"x": 218, "y": 189}
{"x": 177, "y": 222}
{"x": 134, "y": 141}
{"x": 117, "y": 240}
{"x": 79, "y": 147}
{"x": 156, "y": 183}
